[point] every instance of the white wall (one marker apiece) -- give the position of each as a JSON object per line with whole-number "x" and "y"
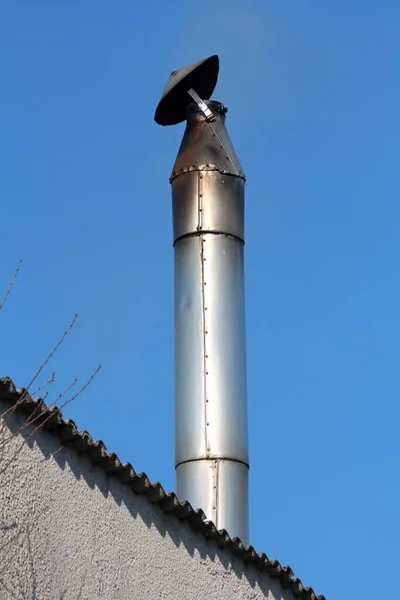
{"x": 68, "y": 531}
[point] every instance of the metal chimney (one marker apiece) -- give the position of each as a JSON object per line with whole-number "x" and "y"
{"x": 211, "y": 448}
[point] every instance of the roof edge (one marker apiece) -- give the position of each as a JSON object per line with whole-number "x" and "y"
{"x": 51, "y": 419}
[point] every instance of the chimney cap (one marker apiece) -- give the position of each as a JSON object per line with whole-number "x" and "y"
{"x": 201, "y": 76}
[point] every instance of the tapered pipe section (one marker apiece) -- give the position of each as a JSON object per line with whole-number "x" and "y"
{"x": 211, "y": 451}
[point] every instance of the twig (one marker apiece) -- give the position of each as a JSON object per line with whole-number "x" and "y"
{"x": 79, "y": 392}
{"x": 44, "y": 363}
{"x": 10, "y": 411}
{"x": 2, "y": 303}
{"x": 32, "y": 418}
{"x": 2, "y": 471}
{"x": 48, "y": 382}
{"x": 60, "y": 341}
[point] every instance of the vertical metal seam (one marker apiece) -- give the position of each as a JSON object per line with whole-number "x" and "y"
{"x": 199, "y": 200}
{"x": 223, "y": 147}
{"x": 203, "y": 309}
{"x": 217, "y": 486}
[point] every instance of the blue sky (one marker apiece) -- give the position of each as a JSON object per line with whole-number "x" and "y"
{"x": 313, "y": 94}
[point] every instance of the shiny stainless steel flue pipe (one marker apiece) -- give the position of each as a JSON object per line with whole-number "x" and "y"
{"x": 211, "y": 446}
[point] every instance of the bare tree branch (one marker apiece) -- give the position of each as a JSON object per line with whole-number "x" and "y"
{"x": 44, "y": 363}
{"x": 8, "y": 413}
{"x": 41, "y": 424}
{"x": 48, "y": 382}
{"x": 53, "y": 351}
{"x": 35, "y": 415}
{"x": 13, "y": 278}
{"x": 79, "y": 392}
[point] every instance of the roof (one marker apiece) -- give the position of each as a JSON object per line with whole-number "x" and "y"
{"x": 50, "y": 418}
